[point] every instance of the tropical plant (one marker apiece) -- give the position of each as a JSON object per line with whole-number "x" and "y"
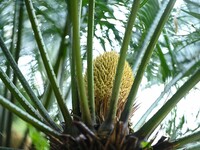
{"x": 61, "y": 105}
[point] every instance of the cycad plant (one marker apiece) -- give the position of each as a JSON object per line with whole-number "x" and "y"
{"x": 102, "y": 96}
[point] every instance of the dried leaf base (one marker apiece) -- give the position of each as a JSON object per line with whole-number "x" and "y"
{"x": 119, "y": 139}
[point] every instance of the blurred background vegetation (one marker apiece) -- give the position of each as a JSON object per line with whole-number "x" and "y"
{"x": 175, "y": 58}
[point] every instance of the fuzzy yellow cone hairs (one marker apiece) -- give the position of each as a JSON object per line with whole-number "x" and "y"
{"x": 105, "y": 67}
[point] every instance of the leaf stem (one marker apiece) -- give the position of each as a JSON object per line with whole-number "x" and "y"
{"x": 16, "y": 93}
{"x": 186, "y": 140}
{"x": 108, "y": 124}
{"x": 152, "y": 123}
{"x": 78, "y": 63}
{"x": 20, "y": 3}
{"x": 47, "y": 64}
{"x": 74, "y": 88}
{"x": 190, "y": 67}
{"x": 28, "y": 118}
{"x": 90, "y": 75}
{"x": 128, "y": 106}
{"x": 62, "y": 52}
{"x": 26, "y": 86}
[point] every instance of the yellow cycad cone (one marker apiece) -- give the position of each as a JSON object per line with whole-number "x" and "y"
{"x": 105, "y": 67}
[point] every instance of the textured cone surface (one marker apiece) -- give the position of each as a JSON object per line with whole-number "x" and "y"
{"x": 105, "y": 67}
